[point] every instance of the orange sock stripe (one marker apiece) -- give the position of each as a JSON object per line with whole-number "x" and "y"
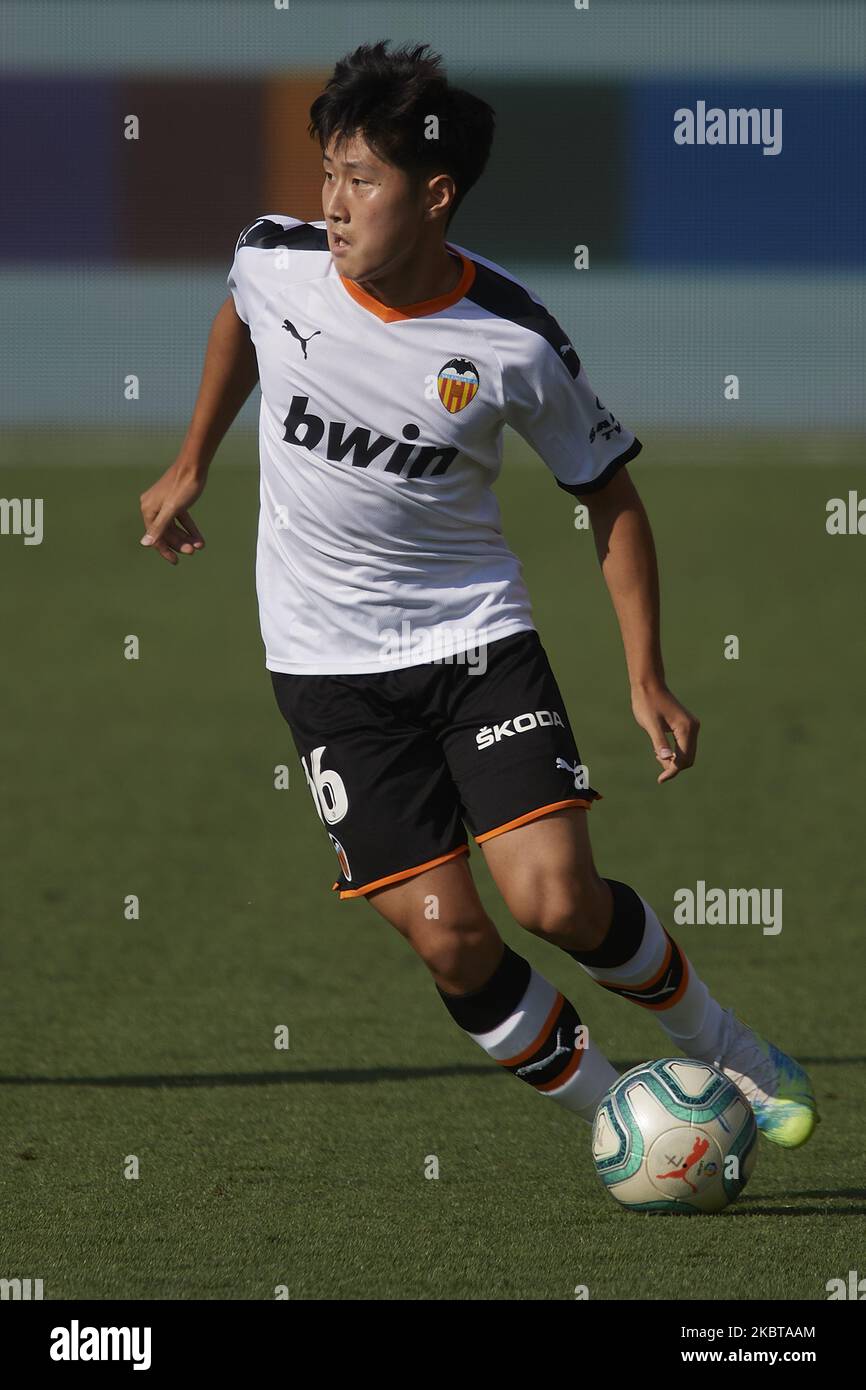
{"x": 574, "y": 1063}
{"x": 546, "y": 1030}
{"x": 643, "y": 984}
{"x": 630, "y": 991}
{"x": 681, "y": 987}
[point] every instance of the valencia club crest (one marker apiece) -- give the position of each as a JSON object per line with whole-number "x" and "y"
{"x": 457, "y": 383}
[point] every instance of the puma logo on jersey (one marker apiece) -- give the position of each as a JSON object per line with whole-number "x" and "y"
{"x": 519, "y": 724}
{"x": 360, "y": 448}
{"x": 290, "y": 327}
{"x": 572, "y": 362}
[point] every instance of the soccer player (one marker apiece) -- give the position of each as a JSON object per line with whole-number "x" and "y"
{"x": 397, "y": 628}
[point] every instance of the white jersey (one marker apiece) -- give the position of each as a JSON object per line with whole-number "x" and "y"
{"x": 380, "y": 542}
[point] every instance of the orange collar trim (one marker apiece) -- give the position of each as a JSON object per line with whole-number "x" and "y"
{"x": 413, "y": 311}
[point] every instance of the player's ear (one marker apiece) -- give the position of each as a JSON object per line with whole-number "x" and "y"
{"x": 441, "y": 191}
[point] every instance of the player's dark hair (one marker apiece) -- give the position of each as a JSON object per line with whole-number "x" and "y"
{"x": 387, "y": 98}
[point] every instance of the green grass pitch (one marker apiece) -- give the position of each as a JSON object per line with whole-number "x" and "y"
{"x": 305, "y": 1168}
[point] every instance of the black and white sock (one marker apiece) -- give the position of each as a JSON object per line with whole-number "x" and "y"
{"x": 525, "y": 1024}
{"x": 640, "y": 961}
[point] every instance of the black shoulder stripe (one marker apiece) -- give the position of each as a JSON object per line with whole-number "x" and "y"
{"x": 303, "y": 237}
{"x": 580, "y": 489}
{"x": 510, "y": 301}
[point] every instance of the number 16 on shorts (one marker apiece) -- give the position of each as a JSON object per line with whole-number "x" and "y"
{"x": 327, "y": 788}
{"x": 330, "y": 797}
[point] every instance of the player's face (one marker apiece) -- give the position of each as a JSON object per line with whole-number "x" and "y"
{"x": 373, "y": 210}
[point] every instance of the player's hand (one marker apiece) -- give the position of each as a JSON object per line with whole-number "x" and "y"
{"x": 168, "y": 526}
{"x": 660, "y": 714}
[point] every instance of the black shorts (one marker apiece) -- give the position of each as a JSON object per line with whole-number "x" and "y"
{"x": 397, "y": 761}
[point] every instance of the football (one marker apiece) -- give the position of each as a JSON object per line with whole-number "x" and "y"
{"x": 674, "y": 1135}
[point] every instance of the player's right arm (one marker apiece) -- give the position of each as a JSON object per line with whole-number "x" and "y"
{"x": 229, "y": 374}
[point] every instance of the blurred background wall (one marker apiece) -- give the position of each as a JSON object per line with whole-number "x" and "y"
{"x": 704, "y": 260}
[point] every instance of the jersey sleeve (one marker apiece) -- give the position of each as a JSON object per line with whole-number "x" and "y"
{"x": 235, "y": 277}
{"x": 551, "y": 403}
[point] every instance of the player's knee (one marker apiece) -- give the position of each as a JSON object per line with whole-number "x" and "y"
{"x": 459, "y": 956}
{"x": 574, "y": 915}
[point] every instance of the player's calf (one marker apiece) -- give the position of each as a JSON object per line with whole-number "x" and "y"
{"x": 442, "y": 918}
{"x": 517, "y": 1016}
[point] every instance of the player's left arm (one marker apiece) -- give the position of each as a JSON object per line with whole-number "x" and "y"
{"x": 627, "y": 555}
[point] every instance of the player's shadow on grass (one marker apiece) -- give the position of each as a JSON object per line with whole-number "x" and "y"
{"x": 747, "y": 1205}
{"x": 342, "y": 1076}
